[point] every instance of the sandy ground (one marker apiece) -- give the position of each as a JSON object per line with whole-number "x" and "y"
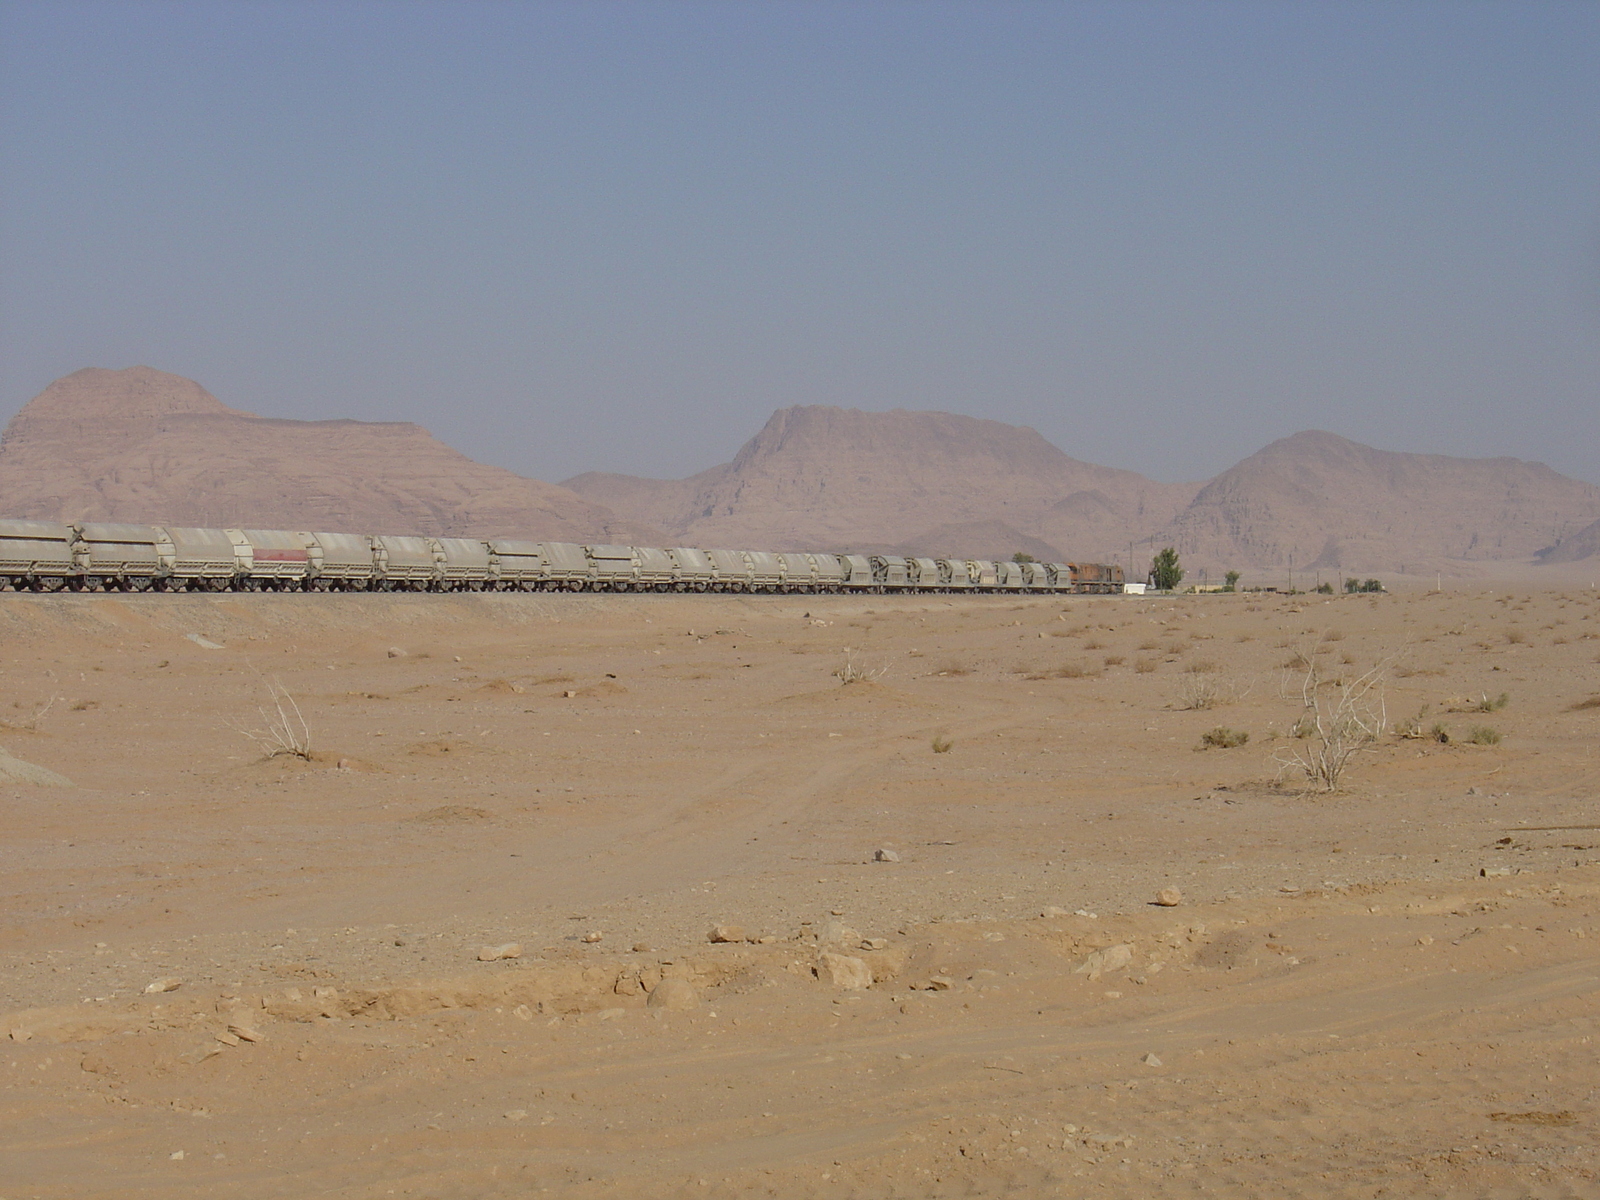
{"x": 1392, "y": 990}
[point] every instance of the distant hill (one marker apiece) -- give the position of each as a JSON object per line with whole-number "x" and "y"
{"x": 841, "y": 479}
{"x": 1319, "y": 501}
{"x": 922, "y": 481}
{"x": 142, "y": 445}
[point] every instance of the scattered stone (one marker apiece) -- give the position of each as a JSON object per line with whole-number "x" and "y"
{"x": 1169, "y": 897}
{"x": 204, "y": 643}
{"x": 726, "y": 933}
{"x": 874, "y": 943}
{"x": 1494, "y": 872}
{"x": 1112, "y": 958}
{"x": 169, "y": 984}
{"x": 245, "y": 1033}
{"x": 396, "y": 652}
{"x": 517, "y": 1114}
{"x": 675, "y": 995}
{"x": 1150, "y": 1060}
{"x": 611, "y": 1014}
{"x": 883, "y": 854}
{"x": 496, "y": 953}
{"x": 593, "y": 936}
{"x": 1425, "y": 940}
{"x": 228, "y": 1039}
{"x": 176, "y": 1156}
{"x": 844, "y": 971}
{"x": 1052, "y": 911}
{"x": 522, "y": 1012}
{"x": 836, "y": 931}
{"x": 940, "y": 983}
{"x": 641, "y": 947}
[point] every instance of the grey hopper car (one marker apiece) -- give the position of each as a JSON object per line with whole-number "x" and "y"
{"x": 51, "y": 556}
{"x": 38, "y": 555}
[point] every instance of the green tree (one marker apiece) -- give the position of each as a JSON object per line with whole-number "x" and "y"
{"x": 1022, "y": 556}
{"x": 1230, "y": 581}
{"x": 1165, "y": 572}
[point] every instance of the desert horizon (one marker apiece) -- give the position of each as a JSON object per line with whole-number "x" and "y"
{"x": 142, "y": 445}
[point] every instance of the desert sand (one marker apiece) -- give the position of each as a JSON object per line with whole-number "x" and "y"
{"x": 226, "y": 974}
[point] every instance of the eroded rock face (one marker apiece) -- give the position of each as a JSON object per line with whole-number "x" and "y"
{"x": 142, "y": 445}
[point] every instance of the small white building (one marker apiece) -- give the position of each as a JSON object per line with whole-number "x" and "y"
{"x": 1133, "y": 589}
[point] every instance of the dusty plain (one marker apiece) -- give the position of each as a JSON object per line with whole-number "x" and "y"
{"x": 1393, "y": 990}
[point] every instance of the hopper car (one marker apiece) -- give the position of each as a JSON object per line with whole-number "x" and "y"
{"x": 49, "y": 556}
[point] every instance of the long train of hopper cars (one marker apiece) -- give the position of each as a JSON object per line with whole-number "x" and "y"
{"x": 47, "y": 556}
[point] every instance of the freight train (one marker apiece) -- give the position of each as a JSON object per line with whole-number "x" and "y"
{"x": 48, "y": 556}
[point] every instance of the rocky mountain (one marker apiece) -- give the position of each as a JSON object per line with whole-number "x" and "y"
{"x": 142, "y": 445}
{"x": 914, "y": 481}
{"x": 835, "y": 478}
{"x": 1319, "y": 501}
{"x": 1581, "y": 545}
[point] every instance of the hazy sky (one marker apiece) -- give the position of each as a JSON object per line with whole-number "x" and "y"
{"x": 616, "y": 236}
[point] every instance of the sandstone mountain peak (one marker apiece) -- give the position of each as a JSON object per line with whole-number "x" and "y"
{"x": 133, "y": 393}
{"x": 141, "y": 445}
{"x": 844, "y": 479}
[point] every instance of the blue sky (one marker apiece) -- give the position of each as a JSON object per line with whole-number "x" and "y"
{"x": 616, "y": 236}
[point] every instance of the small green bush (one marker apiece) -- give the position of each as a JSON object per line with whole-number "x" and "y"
{"x": 1482, "y": 735}
{"x": 1495, "y": 705}
{"x": 1223, "y": 738}
{"x": 941, "y": 745}
{"x": 1439, "y": 733}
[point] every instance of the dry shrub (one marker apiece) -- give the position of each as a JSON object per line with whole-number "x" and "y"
{"x": 1144, "y": 666}
{"x": 1223, "y": 738}
{"x": 954, "y": 668}
{"x": 852, "y": 671}
{"x": 1341, "y": 720}
{"x": 283, "y": 730}
{"x": 1482, "y": 735}
{"x": 1072, "y": 670}
{"x": 1516, "y": 637}
{"x": 1114, "y": 660}
{"x": 1200, "y": 666}
{"x": 1581, "y": 705}
{"x": 1198, "y": 692}
{"x": 941, "y": 745}
{"x": 1149, "y": 644}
